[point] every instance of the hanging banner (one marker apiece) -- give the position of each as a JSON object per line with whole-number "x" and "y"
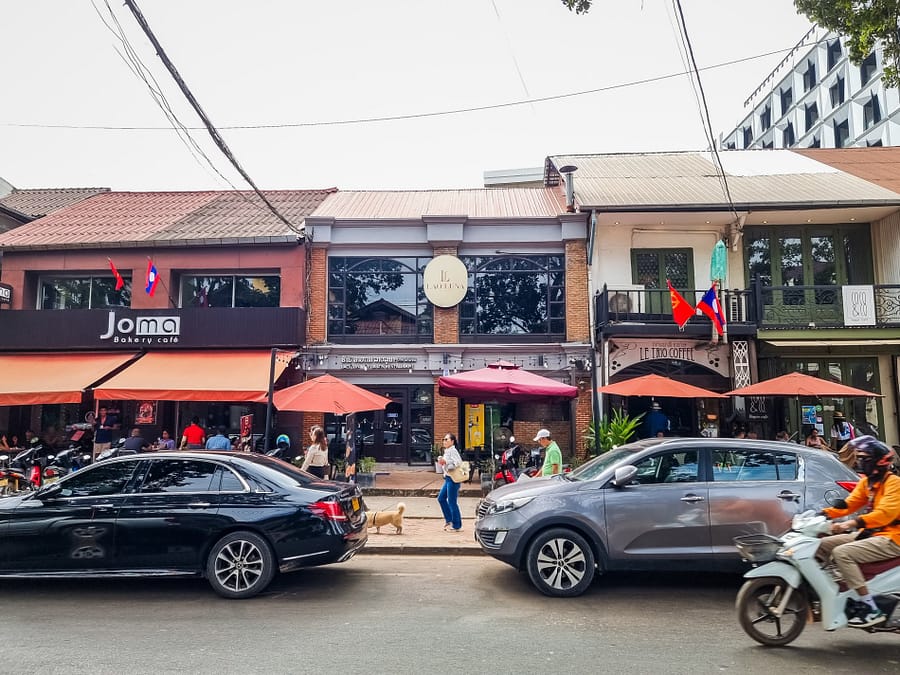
{"x": 474, "y": 425}
{"x": 146, "y": 413}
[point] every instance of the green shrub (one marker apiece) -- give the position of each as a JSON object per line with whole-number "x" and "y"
{"x": 612, "y": 431}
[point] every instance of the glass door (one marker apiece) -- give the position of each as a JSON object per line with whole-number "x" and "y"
{"x": 383, "y": 433}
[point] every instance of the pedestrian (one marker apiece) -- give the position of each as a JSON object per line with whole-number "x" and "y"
{"x": 552, "y": 453}
{"x": 316, "y": 460}
{"x": 165, "y": 442}
{"x": 4, "y": 444}
{"x": 220, "y": 441}
{"x": 656, "y": 422}
{"x": 135, "y": 442}
{"x": 814, "y": 440}
{"x": 782, "y": 436}
{"x": 104, "y": 424}
{"x": 448, "y": 497}
{"x": 752, "y": 435}
{"x": 350, "y": 450}
{"x": 193, "y": 437}
{"x": 841, "y": 430}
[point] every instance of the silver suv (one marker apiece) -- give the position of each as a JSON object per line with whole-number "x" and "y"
{"x": 654, "y": 504}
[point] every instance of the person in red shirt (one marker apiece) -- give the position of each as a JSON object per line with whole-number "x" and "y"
{"x": 194, "y": 437}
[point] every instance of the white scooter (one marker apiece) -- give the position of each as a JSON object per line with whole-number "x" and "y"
{"x": 774, "y": 604}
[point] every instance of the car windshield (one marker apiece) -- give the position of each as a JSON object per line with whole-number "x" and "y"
{"x": 590, "y": 470}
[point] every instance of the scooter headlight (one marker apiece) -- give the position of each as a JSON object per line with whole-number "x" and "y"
{"x": 506, "y": 505}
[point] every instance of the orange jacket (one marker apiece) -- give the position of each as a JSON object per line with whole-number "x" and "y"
{"x": 884, "y": 518}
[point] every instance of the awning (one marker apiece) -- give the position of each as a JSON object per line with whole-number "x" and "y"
{"x": 194, "y": 376}
{"x": 31, "y": 379}
{"x": 833, "y": 343}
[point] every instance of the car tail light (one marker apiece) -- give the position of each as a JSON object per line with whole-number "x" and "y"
{"x": 848, "y": 485}
{"x": 328, "y": 510}
{"x": 50, "y": 472}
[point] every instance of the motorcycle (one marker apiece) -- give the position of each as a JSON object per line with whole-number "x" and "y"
{"x": 507, "y": 463}
{"x": 116, "y": 450}
{"x": 64, "y": 462}
{"x": 12, "y": 479}
{"x": 774, "y": 603}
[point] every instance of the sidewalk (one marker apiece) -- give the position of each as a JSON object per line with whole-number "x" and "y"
{"x": 423, "y": 523}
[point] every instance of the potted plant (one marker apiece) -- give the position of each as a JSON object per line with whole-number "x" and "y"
{"x": 486, "y": 471}
{"x": 612, "y": 431}
{"x": 365, "y": 472}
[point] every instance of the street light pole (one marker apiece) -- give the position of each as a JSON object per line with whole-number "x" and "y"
{"x": 269, "y": 402}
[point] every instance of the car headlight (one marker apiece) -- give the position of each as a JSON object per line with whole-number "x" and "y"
{"x": 506, "y": 505}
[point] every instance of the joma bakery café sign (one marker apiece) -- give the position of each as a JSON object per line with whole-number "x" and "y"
{"x": 124, "y": 328}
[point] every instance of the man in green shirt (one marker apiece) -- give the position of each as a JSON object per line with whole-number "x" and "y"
{"x": 552, "y": 453}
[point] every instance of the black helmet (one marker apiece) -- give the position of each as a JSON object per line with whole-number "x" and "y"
{"x": 877, "y": 459}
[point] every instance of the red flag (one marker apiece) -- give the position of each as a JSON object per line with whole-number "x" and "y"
{"x": 681, "y": 309}
{"x": 120, "y": 282}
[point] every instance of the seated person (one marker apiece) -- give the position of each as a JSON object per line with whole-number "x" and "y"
{"x": 135, "y": 442}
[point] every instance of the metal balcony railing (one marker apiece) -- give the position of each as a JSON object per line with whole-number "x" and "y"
{"x": 654, "y": 305}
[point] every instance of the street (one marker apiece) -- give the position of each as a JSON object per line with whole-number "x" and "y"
{"x": 406, "y": 614}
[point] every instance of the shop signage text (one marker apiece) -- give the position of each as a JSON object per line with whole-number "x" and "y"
{"x": 378, "y": 362}
{"x": 143, "y": 329}
{"x": 445, "y": 281}
{"x": 859, "y": 305}
{"x": 625, "y": 353}
{"x": 5, "y": 294}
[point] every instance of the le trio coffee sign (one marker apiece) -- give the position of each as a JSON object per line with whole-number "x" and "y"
{"x": 625, "y": 353}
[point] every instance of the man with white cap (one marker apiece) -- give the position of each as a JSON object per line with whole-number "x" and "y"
{"x": 552, "y": 453}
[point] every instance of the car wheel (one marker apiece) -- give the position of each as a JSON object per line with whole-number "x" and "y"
{"x": 560, "y": 563}
{"x": 240, "y": 565}
{"x": 755, "y": 603}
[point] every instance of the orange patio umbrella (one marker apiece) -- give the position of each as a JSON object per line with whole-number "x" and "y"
{"x": 800, "y": 384}
{"x": 327, "y": 394}
{"x": 656, "y": 385}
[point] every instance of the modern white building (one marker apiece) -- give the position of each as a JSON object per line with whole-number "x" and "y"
{"x": 816, "y": 98}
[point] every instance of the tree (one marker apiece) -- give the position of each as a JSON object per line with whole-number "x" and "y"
{"x": 862, "y": 23}
{"x": 578, "y": 6}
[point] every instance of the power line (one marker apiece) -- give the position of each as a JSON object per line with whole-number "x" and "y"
{"x": 210, "y": 128}
{"x": 411, "y": 116}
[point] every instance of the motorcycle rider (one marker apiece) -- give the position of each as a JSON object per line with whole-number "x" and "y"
{"x": 873, "y": 534}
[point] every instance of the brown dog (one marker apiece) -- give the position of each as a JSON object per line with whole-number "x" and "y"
{"x": 379, "y": 519}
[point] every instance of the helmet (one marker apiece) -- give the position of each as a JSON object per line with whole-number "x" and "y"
{"x": 876, "y": 458}
{"x": 283, "y": 440}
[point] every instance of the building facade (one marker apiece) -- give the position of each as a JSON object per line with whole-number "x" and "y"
{"x": 816, "y": 98}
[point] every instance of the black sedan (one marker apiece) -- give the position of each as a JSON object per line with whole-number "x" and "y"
{"x": 235, "y": 518}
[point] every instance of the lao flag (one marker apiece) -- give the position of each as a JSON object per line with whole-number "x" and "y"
{"x": 709, "y": 305}
{"x": 681, "y": 309}
{"x": 120, "y": 282}
{"x": 152, "y": 278}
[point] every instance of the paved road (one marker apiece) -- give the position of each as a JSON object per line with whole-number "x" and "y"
{"x": 401, "y": 614}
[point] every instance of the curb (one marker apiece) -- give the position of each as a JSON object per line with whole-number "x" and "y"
{"x": 413, "y": 492}
{"x": 420, "y": 550}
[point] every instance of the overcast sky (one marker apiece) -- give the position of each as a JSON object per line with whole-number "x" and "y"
{"x": 270, "y": 62}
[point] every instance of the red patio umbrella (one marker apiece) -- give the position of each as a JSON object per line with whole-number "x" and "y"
{"x": 503, "y": 381}
{"x": 656, "y": 385}
{"x": 800, "y": 384}
{"x": 328, "y": 394}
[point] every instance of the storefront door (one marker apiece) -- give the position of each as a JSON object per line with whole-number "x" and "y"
{"x": 402, "y": 432}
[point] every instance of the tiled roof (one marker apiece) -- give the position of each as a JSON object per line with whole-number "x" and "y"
{"x": 688, "y": 180}
{"x": 876, "y": 165}
{"x": 39, "y": 202}
{"x": 129, "y": 218}
{"x": 474, "y": 203}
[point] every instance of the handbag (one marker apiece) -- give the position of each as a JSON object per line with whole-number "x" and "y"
{"x": 460, "y": 474}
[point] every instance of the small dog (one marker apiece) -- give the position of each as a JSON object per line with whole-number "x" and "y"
{"x": 379, "y": 519}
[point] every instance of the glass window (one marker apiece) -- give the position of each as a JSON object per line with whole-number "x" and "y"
{"x": 787, "y": 98}
{"x": 765, "y": 118}
{"x": 871, "y": 112}
{"x": 515, "y": 295}
{"x": 811, "y": 113}
{"x": 231, "y": 291}
{"x": 378, "y": 297}
{"x": 834, "y": 53}
{"x": 789, "y": 138}
{"x": 841, "y": 133}
{"x": 748, "y": 136}
{"x": 809, "y": 77}
{"x": 83, "y": 293}
{"x": 179, "y": 475}
{"x": 867, "y": 68}
{"x": 750, "y": 465}
{"x": 227, "y": 481}
{"x": 836, "y": 92}
{"x": 668, "y": 467}
{"x": 99, "y": 480}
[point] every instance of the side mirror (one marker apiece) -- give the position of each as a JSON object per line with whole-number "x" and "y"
{"x": 833, "y": 499}
{"x": 50, "y": 492}
{"x": 3, "y": 458}
{"x": 624, "y": 475}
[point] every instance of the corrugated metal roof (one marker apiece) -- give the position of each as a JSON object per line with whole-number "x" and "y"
{"x": 755, "y": 178}
{"x": 147, "y": 217}
{"x": 876, "y": 165}
{"x": 473, "y": 203}
{"x": 41, "y": 201}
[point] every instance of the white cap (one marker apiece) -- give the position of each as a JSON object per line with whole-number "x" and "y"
{"x": 512, "y": 439}
{"x": 543, "y": 433}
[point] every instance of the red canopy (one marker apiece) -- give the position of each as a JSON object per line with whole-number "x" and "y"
{"x": 503, "y": 381}
{"x": 799, "y": 384}
{"x": 656, "y": 385}
{"x": 327, "y": 393}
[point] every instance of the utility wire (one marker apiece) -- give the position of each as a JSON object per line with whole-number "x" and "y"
{"x": 210, "y": 128}
{"x": 411, "y": 116}
{"x": 705, "y": 116}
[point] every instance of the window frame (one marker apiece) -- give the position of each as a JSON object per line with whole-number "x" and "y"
{"x": 871, "y": 112}
{"x": 45, "y": 279}
{"x": 184, "y": 276}
{"x": 809, "y": 76}
{"x": 867, "y": 69}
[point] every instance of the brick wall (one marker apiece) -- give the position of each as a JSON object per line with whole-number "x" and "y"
{"x": 446, "y": 416}
{"x": 318, "y": 296}
{"x": 577, "y": 293}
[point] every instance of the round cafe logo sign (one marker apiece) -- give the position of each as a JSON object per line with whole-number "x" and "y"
{"x": 445, "y": 280}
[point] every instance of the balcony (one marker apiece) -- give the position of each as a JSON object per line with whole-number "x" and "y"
{"x": 635, "y": 310}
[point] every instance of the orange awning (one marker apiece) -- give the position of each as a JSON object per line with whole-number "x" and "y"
{"x": 194, "y": 376}
{"x": 30, "y": 379}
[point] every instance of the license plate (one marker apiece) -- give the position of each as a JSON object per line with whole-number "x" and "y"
{"x": 355, "y": 503}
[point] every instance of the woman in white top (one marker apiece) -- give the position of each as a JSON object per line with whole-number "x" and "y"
{"x": 316, "y": 460}
{"x": 448, "y": 497}
{"x": 841, "y": 431}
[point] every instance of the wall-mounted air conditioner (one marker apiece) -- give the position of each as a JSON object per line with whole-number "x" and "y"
{"x": 626, "y": 298}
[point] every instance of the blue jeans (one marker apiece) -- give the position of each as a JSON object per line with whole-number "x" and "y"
{"x": 448, "y": 499}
